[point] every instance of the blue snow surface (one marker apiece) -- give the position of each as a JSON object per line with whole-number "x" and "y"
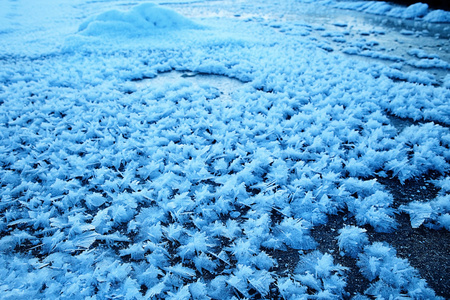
{"x": 150, "y": 154}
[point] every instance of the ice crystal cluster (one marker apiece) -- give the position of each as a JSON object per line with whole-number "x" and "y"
{"x": 115, "y": 189}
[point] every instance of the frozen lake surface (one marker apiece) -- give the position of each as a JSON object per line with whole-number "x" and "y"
{"x": 224, "y": 150}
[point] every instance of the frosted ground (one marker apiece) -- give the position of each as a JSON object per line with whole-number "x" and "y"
{"x": 224, "y": 150}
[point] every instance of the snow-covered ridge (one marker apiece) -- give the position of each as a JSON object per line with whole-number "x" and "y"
{"x": 418, "y": 11}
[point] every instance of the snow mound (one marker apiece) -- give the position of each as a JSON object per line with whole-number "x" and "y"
{"x": 142, "y": 19}
{"x": 415, "y": 11}
{"x": 438, "y": 16}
